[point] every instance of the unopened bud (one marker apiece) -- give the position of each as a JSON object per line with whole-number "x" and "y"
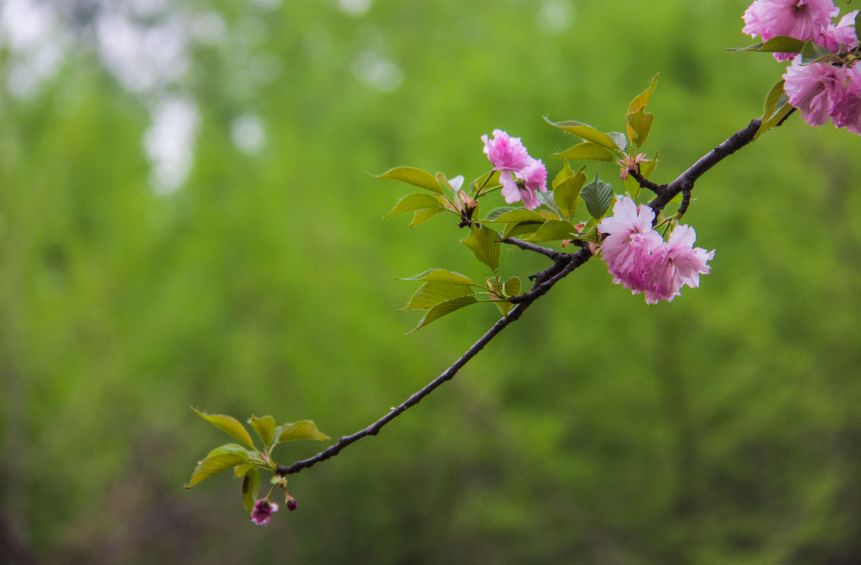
{"x": 291, "y": 503}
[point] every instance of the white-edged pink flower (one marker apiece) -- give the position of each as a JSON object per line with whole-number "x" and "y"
{"x": 627, "y": 249}
{"x": 813, "y": 89}
{"x": 505, "y": 152}
{"x": 840, "y": 37}
{"x": 806, "y": 20}
{"x": 846, "y": 110}
{"x": 674, "y": 264}
{"x": 520, "y": 175}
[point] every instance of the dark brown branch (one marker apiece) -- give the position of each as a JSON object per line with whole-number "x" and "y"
{"x": 563, "y": 265}
{"x": 546, "y": 251}
{"x": 646, "y": 183}
{"x": 685, "y": 181}
{"x": 571, "y": 262}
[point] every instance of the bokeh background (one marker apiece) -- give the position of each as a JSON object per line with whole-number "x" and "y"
{"x": 186, "y": 219}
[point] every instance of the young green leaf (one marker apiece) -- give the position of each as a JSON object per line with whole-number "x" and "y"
{"x": 642, "y": 99}
{"x": 484, "y": 242}
{"x": 780, "y": 44}
{"x": 512, "y": 286}
{"x": 586, "y": 151}
{"x": 487, "y": 180}
{"x": 776, "y": 108}
{"x": 413, "y": 202}
{"x": 302, "y": 430}
{"x": 507, "y": 215}
{"x": 442, "y": 276}
{"x": 430, "y": 294}
{"x": 566, "y": 193}
{"x": 639, "y": 125}
{"x": 597, "y": 195}
{"x": 264, "y": 427}
{"x": 513, "y": 230}
{"x": 811, "y": 53}
{"x": 422, "y": 216}
{"x": 250, "y": 487}
{"x": 217, "y": 460}
{"x": 443, "y": 309}
{"x": 414, "y": 176}
{"x": 553, "y": 231}
{"x": 585, "y": 131}
{"x": 229, "y": 425}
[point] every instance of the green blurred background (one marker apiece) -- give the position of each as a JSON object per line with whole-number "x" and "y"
{"x": 186, "y": 219}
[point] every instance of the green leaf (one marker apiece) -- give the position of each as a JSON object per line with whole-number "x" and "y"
{"x": 639, "y": 125}
{"x": 414, "y": 202}
{"x": 512, "y": 286}
{"x": 620, "y": 138}
{"x": 775, "y": 109}
{"x": 508, "y": 215}
{"x": 780, "y": 44}
{"x": 264, "y": 427}
{"x": 487, "y": 180}
{"x": 304, "y": 429}
{"x": 597, "y": 195}
{"x": 514, "y": 230}
{"x": 442, "y": 276}
{"x": 586, "y": 151}
{"x": 250, "y": 487}
{"x": 642, "y": 99}
{"x": 422, "y": 216}
{"x": 229, "y": 425}
{"x": 430, "y": 294}
{"x": 566, "y": 192}
{"x": 218, "y": 460}
{"x": 444, "y": 309}
{"x": 553, "y": 231}
{"x": 414, "y": 176}
{"x": 812, "y": 53}
{"x": 858, "y": 27}
{"x": 586, "y": 132}
{"x": 484, "y": 242}
{"x": 241, "y": 470}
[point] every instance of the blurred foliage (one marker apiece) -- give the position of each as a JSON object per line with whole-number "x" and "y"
{"x": 721, "y": 428}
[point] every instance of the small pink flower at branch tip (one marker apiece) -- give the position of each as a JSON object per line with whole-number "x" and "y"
{"x": 520, "y": 175}
{"x": 263, "y": 511}
{"x": 630, "y": 164}
{"x": 806, "y": 20}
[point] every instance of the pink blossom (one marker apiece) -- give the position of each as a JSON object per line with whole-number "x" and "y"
{"x": 813, "y": 89}
{"x": 628, "y": 247}
{"x": 806, "y": 20}
{"x": 519, "y": 174}
{"x": 840, "y": 37}
{"x": 263, "y": 511}
{"x": 674, "y": 264}
{"x": 846, "y": 110}
{"x": 630, "y": 163}
{"x": 505, "y": 152}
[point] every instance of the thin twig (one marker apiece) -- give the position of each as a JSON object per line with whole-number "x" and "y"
{"x": 646, "y": 183}
{"x": 546, "y": 251}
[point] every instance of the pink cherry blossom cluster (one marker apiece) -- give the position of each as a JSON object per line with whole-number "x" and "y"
{"x": 820, "y": 90}
{"x": 807, "y": 20}
{"x": 639, "y": 258}
{"x": 521, "y": 176}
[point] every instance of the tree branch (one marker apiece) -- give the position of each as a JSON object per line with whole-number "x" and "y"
{"x": 685, "y": 181}
{"x": 563, "y": 265}
{"x": 646, "y": 183}
{"x": 546, "y": 251}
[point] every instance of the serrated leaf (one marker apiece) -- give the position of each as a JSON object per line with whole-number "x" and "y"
{"x": 585, "y": 131}
{"x": 414, "y": 176}
{"x": 553, "y": 231}
{"x": 484, "y": 242}
{"x": 229, "y": 425}
{"x": 422, "y": 216}
{"x": 507, "y": 215}
{"x": 430, "y": 294}
{"x": 567, "y": 193}
{"x": 302, "y": 430}
{"x": 597, "y": 195}
{"x": 780, "y": 44}
{"x": 522, "y": 228}
{"x": 586, "y": 151}
{"x": 639, "y": 125}
{"x": 264, "y": 427}
{"x": 413, "y": 202}
{"x": 641, "y": 100}
{"x": 250, "y": 487}
{"x": 442, "y": 276}
{"x": 444, "y": 309}
{"x": 218, "y": 460}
